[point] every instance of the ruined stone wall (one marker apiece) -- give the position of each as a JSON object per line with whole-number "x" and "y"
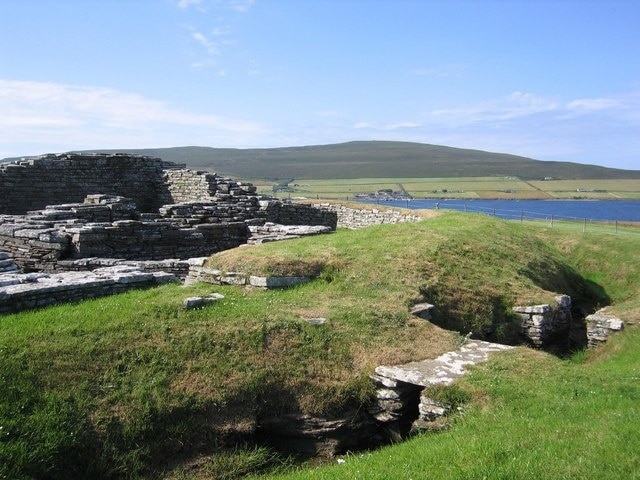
{"x": 33, "y": 183}
{"x": 184, "y": 185}
{"x": 365, "y": 217}
{"x": 298, "y": 214}
{"x": 39, "y": 240}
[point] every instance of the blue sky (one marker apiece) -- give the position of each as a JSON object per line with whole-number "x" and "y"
{"x": 552, "y": 80}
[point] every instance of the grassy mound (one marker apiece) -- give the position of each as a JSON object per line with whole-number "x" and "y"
{"x": 133, "y": 386}
{"x": 473, "y": 268}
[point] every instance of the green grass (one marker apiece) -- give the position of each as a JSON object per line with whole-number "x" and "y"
{"x": 133, "y": 386}
{"x": 531, "y": 416}
{"x": 496, "y": 187}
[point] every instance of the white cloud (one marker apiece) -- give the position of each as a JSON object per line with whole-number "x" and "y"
{"x": 591, "y": 104}
{"x": 209, "y": 45}
{"x": 515, "y": 105}
{"x": 240, "y": 6}
{"x": 75, "y": 116}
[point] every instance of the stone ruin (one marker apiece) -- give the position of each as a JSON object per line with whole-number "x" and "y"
{"x": 69, "y": 206}
{"x": 73, "y": 212}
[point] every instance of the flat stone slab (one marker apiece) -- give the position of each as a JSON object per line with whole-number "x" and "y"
{"x": 277, "y": 282}
{"x": 444, "y": 369}
{"x": 199, "y": 302}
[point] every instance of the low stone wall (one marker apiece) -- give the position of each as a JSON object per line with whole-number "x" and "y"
{"x": 7, "y": 265}
{"x": 298, "y": 214}
{"x": 175, "y": 266}
{"x": 27, "y": 291}
{"x": 365, "y": 217}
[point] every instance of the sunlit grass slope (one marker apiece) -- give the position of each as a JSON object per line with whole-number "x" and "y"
{"x": 133, "y": 386}
{"x": 532, "y": 415}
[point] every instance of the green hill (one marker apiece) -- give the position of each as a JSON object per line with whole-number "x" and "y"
{"x": 374, "y": 159}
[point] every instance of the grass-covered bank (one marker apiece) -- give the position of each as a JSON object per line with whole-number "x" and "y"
{"x": 133, "y": 386}
{"x": 532, "y": 415}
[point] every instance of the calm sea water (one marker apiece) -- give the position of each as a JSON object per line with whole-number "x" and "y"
{"x": 601, "y": 210}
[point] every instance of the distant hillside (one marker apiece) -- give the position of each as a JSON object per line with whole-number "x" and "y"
{"x": 374, "y": 159}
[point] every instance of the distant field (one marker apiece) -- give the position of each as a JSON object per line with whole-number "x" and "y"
{"x": 463, "y": 187}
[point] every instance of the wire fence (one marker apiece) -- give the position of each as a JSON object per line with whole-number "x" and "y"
{"x": 549, "y": 220}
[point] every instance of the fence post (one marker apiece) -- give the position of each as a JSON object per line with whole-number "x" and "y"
{"x": 552, "y": 220}
{"x": 465, "y": 208}
{"x": 494, "y": 212}
{"x": 521, "y": 216}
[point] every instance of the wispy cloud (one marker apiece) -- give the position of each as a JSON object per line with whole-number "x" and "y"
{"x": 515, "y": 105}
{"x": 213, "y": 43}
{"x": 386, "y": 127}
{"x": 241, "y": 5}
{"x": 592, "y": 104}
{"x": 209, "y": 45}
{"x": 73, "y": 116}
{"x": 185, "y": 4}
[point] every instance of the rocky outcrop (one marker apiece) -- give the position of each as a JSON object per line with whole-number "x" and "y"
{"x": 191, "y": 303}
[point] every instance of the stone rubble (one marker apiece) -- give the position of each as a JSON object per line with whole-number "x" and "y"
{"x": 7, "y": 265}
